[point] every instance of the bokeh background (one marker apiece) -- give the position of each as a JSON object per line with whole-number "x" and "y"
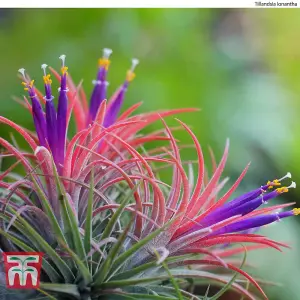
{"x": 241, "y": 67}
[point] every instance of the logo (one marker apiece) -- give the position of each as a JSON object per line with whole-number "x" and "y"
{"x": 22, "y": 269}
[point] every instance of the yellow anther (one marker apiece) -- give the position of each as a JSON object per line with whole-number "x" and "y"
{"x": 130, "y": 75}
{"x": 296, "y": 211}
{"x": 31, "y": 84}
{"x": 27, "y": 85}
{"x": 273, "y": 183}
{"x": 269, "y": 184}
{"x": 64, "y": 70}
{"x": 104, "y": 62}
{"x": 47, "y": 79}
{"x": 281, "y": 190}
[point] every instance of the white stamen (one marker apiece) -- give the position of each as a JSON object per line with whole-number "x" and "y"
{"x": 292, "y": 185}
{"x": 44, "y": 66}
{"x": 96, "y": 82}
{"x": 277, "y": 216}
{"x": 262, "y": 200}
{"x": 46, "y": 99}
{"x": 134, "y": 63}
{"x": 63, "y": 58}
{"x": 288, "y": 175}
{"x": 107, "y": 52}
{"x": 22, "y": 71}
{"x": 65, "y": 90}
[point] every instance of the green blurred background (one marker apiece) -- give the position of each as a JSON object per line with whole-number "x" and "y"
{"x": 241, "y": 67}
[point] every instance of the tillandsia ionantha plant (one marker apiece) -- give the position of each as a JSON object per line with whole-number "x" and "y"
{"x": 95, "y": 205}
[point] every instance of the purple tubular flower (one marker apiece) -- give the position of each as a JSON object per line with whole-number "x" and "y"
{"x": 50, "y": 114}
{"x": 100, "y": 89}
{"x": 62, "y": 116}
{"x": 245, "y": 200}
{"x": 113, "y": 110}
{"x": 254, "y": 222}
{"x": 241, "y": 207}
{"x": 226, "y": 212}
{"x": 255, "y": 193}
{"x": 37, "y": 111}
{"x": 246, "y": 197}
{"x": 115, "y": 106}
{"x": 232, "y": 205}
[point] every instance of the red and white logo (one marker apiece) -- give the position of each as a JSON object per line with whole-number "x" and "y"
{"x": 22, "y": 269}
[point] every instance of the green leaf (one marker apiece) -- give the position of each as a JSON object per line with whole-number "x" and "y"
{"x": 71, "y": 220}
{"x": 89, "y": 216}
{"x": 147, "y": 266}
{"x": 163, "y": 289}
{"x": 62, "y": 289}
{"x": 173, "y": 281}
{"x": 247, "y": 288}
{"x": 134, "y": 281}
{"x": 115, "y": 217}
{"x": 206, "y": 293}
{"x": 48, "y": 210}
{"x": 46, "y": 294}
{"x": 84, "y": 271}
{"x": 232, "y": 280}
{"x": 66, "y": 221}
{"x": 101, "y": 275}
{"x": 127, "y": 254}
{"x": 145, "y": 296}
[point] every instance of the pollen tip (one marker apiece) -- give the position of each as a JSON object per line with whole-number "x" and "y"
{"x": 296, "y": 211}
{"x": 107, "y": 52}
{"x": 63, "y": 59}
{"x": 292, "y": 185}
{"x": 43, "y": 67}
{"x": 134, "y": 62}
{"x": 22, "y": 71}
{"x": 288, "y": 175}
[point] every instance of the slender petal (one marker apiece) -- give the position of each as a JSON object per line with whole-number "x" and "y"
{"x": 115, "y": 106}
{"x": 100, "y": 85}
{"x": 62, "y": 115}
{"x": 254, "y": 222}
{"x": 50, "y": 114}
{"x": 37, "y": 110}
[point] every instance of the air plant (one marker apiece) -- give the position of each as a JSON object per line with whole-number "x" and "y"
{"x": 94, "y": 203}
